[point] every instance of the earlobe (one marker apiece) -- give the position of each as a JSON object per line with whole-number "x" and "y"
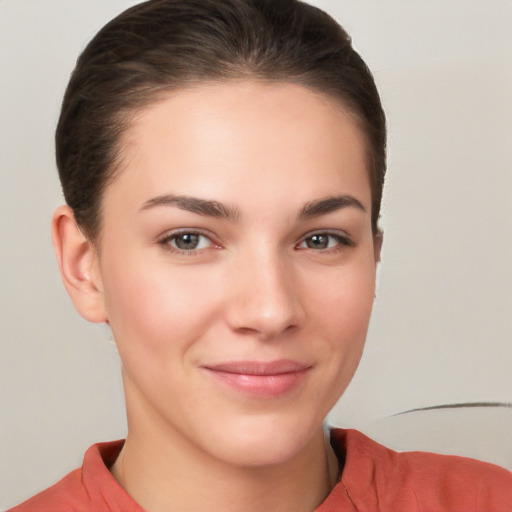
{"x": 78, "y": 263}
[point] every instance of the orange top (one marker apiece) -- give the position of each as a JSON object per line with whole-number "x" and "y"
{"x": 374, "y": 478}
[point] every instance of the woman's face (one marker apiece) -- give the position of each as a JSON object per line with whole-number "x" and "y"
{"x": 237, "y": 266}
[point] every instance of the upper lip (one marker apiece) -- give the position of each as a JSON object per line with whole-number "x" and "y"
{"x": 262, "y": 368}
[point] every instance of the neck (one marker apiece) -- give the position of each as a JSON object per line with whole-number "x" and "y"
{"x": 163, "y": 471}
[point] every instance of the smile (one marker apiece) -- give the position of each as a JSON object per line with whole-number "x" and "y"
{"x": 260, "y": 379}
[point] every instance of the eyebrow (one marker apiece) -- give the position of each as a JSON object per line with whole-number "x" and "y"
{"x": 196, "y": 205}
{"x": 329, "y": 205}
{"x": 210, "y": 208}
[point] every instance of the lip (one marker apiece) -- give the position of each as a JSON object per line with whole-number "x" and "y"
{"x": 259, "y": 378}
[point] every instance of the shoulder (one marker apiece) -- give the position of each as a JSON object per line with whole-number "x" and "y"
{"x": 88, "y": 489}
{"x": 411, "y": 481}
{"x": 64, "y": 495}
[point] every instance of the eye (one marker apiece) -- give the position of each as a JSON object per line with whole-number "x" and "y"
{"x": 187, "y": 241}
{"x": 324, "y": 241}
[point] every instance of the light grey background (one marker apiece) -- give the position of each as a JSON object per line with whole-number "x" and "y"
{"x": 442, "y": 326}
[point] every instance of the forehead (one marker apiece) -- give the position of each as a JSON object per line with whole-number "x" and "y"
{"x": 246, "y": 134}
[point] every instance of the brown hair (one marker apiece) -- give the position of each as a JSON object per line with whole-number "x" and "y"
{"x": 161, "y": 45}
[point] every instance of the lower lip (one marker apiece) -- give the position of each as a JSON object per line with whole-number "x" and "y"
{"x": 263, "y": 386}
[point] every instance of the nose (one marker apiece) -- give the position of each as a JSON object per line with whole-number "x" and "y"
{"x": 264, "y": 298}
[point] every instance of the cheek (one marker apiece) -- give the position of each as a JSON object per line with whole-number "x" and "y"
{"x": 345, "y": 304}
{"x": 340, "y": 304}
{"x": 343, "y": 315}
{"x": 155, "y": 308}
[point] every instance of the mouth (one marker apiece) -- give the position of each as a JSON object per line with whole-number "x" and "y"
{"x": 260, "y": 379}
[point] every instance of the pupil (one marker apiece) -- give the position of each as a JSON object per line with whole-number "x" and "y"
{"x": 318, "y": 242}
{"x": 187, "y": 241}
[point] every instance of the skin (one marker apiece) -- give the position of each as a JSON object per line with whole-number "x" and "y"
{"x": 272, "y": 278}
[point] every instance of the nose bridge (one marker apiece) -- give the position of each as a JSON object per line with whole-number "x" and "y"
{"x": 265, "y": 298}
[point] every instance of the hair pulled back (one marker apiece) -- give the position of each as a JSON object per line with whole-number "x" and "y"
{"x": 163, "y": 45}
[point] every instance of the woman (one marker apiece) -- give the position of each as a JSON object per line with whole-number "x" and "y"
{"x": 222, "y": 163}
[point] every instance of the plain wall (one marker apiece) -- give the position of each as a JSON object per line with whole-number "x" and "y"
{"x": 441, "y": 331}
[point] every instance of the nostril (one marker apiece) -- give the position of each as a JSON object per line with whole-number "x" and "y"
{"x": 266, "y": 330}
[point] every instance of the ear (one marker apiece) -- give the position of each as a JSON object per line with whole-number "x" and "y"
{"x": 378, "y": 239}
{"x": 79, "y": 266}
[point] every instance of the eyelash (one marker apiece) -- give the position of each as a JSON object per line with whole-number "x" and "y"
{"x": 168, "y": 239}
{"x": 341, "y": 242}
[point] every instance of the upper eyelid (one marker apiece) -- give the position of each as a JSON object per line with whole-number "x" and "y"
{"x": 329, "y": 232}
{"x": 164, "y": 241}
{"x": 344, "y": 240}
{"x": 182, "y": 231}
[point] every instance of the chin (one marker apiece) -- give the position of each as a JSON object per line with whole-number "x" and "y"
{"x": 262, "y": 442}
